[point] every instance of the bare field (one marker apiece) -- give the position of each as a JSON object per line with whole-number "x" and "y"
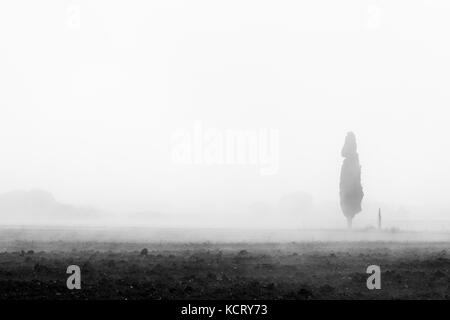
{"x": 175, "y": 270}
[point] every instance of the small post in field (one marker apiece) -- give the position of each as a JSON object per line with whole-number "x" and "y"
{"x": 379, "y": 218}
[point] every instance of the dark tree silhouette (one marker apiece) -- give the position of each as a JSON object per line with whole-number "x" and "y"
{"x": 350, "y": 189}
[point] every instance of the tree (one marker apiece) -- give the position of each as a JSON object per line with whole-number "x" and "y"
{"x": 350, "y": 189}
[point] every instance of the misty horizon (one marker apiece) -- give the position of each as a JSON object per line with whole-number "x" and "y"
{"x": 292, "y": 211}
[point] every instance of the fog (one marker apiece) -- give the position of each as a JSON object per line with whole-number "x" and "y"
{"x": 223, "y": 114}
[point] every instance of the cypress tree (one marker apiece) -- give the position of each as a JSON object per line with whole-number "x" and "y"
{"x": 350, "y": 189}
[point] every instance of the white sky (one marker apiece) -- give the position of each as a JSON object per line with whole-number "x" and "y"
{"x": 87, "y": 112}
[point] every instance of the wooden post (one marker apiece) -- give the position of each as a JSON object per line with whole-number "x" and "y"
{"x": 379, "y": 218}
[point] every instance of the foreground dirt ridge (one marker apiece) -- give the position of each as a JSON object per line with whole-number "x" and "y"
{"x": 307, "y": 270}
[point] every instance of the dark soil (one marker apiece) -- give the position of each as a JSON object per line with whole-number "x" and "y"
{"x": 314, "y": 270}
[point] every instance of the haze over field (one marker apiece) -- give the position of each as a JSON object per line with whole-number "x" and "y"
{"x": 92, "y": 94}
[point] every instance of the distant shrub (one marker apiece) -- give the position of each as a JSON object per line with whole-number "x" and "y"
{"x": 393, "y": 230}
{"x": 144, "y": 252}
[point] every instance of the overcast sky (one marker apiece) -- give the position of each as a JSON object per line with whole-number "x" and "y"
{"x": 93, "y": 92}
